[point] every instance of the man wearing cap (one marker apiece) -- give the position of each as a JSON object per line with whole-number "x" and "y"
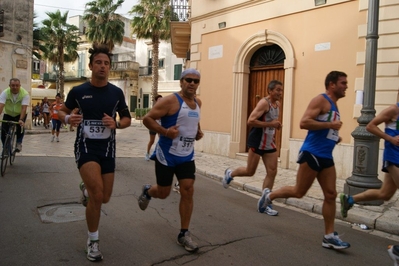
{"x": 174, "y": 153}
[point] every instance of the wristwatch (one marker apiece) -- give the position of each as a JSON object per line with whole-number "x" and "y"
{"x": 118, "y": 125}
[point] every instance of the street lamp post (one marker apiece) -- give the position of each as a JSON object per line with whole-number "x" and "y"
{"x": 366, "y": 146}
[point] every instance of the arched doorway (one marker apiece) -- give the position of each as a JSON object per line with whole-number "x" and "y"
{"x": 241, "y": 73}
{"x": 266, "y": 64}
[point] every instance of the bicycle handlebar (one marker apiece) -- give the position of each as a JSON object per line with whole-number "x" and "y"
{"x": 12, "y": 122}
{"x": 9, "y": 121}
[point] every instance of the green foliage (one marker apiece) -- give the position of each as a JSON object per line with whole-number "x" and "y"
{"x": 152, "y": 21}
{"x": 37, "y": 45}
{"x": 60, "y": 42}
{"x": 141, "y": 112}
{"x": 104, "y": 26}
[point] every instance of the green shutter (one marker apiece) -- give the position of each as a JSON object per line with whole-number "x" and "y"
{"x": 146, "y": 100}
{"x": 178, "y": 70}
{"x": 133, "y": 103}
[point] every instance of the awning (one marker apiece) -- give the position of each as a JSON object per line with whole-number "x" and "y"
{"x": 38, "y": 94}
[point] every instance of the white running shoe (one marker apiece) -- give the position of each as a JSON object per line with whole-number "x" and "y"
{"x": 187, "y": 242}
{"x": 263, "y": 201}
{"x": 93, "y": 250}
{"x": 269, "y": 210}
{"x": 227, "y": 178}
{"x": 52, "y": 138}
{"x": 147, "y": 157}
{"x": 176, "y": 187}
{"x": 393, "y": 251}
{"x": 143, "y": 198}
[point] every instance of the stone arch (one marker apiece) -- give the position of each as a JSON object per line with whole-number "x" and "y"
{"x": 240, "y": 90}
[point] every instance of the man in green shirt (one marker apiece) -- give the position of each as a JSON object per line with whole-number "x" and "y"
{"x": 14, "y": 102}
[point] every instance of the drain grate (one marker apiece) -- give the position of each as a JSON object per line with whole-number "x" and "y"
{"x": 62, "y": 213}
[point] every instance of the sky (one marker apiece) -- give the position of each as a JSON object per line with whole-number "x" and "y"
{"x": 75, "y": 7}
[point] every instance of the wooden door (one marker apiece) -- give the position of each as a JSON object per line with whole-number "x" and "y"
{"x": 259, "y": 78}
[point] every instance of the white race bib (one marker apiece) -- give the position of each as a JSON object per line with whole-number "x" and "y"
{"x": 333, "y": 135}
{"x": 270, "y": 130}
{"x": 95, "y": 129}
{"x": 185, "y": 144}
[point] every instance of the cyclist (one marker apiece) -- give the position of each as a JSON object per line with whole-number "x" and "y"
{"x": 14, "y": 101}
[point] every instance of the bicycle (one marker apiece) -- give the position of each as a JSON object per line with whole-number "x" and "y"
{"x": 8, "y": 146}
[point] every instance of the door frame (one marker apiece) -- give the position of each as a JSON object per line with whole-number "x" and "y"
{"x": 240, "y": 91}
{"x": 262, "y": 91}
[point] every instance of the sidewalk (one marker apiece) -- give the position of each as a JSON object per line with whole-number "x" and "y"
{"x": 133, "y": 142}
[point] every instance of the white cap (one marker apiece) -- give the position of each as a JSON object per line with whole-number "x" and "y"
{"x": 190, "y": 71}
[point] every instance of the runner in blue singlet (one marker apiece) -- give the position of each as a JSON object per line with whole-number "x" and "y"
{"x": 322, "y": 121}
{"x": 390, "y": 165}
{"x": 174, "y": 153}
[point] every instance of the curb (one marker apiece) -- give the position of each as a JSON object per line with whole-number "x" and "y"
{"x": 359, "y": 215}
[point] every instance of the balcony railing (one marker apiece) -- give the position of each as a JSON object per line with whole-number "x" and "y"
{"x": 145, "y": 71}
{"x": 125, "y": 66}
{"x": 180, "y": 10}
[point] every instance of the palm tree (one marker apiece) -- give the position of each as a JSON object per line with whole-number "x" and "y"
{"x": 152, "y": 21}
{"x": 60, "y": 43}
{"x": 104, "y": 26}
{"x": 37, "y": 45}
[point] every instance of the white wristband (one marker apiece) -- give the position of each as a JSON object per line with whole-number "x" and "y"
{"x": 66, "y": 119}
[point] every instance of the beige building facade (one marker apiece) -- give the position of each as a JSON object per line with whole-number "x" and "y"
{"x": 239, "y": 46}
{"x": 16, "y": 38}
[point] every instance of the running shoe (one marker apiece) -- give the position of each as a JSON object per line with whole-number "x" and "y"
{"x": 187, "y": 242}
{"x": 143, "y": 198}
{"x": 147, "y": 157}
{"x": 345, "y": 205}
{"x": 263, "y": 202}
{"x": 84, "y": 200}
{"x": 18, "y": 147}
{"x": 176, "y": 187}
{"x": 57, "y": 139}
{"x": 270, "y": 211}
{"x": 93, "y": 250}
{"x": 393, "y": 251}
{"x": 334, "y": 242}
{"x": 52, "y": 138}
{"x": 227, "y": 178}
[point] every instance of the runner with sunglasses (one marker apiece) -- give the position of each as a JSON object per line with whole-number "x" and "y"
{"x": 174, "y": 153}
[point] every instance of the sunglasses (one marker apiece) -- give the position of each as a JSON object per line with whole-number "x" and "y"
{"x": 189, "y": 80}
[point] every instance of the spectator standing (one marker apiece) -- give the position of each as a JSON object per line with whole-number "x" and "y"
{"x": 55, "y": 122}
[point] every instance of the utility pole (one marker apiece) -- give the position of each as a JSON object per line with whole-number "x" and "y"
{"x": 366, "y": 147}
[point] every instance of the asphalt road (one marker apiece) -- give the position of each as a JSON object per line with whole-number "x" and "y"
{"x": 225, "y": 224}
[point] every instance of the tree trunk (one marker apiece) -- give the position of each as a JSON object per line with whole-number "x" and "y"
{"x": 155, "y": 65}
{"x": 61, "y": 80}
{"x": 61, "y": 77}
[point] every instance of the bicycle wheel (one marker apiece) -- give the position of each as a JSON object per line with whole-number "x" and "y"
{"x": 13, "y": 144}
{"x": 4, "y": 155}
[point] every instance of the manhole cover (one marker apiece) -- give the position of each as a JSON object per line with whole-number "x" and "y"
{"x": 62, "y": 213}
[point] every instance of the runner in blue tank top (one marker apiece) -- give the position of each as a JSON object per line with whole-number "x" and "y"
{"x": 315, "y": 159}
{"x": 174, "y": 152}
{"x": 390, "y": 165}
